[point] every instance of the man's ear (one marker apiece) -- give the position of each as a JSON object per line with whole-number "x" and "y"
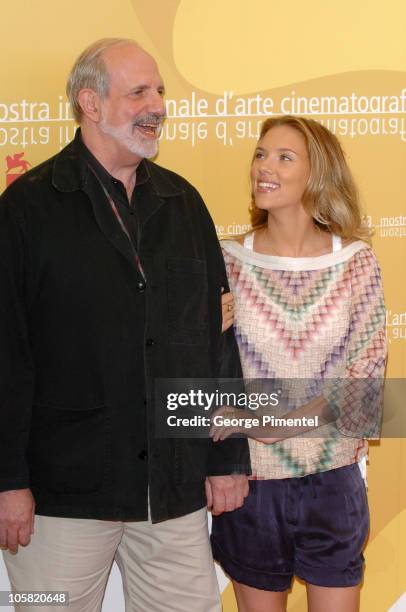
{"x": 90, "y": 104}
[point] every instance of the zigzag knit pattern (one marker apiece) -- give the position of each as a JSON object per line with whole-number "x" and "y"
{"x": 321, "y": 320}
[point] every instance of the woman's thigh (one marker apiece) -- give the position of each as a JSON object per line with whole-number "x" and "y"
{"x": 258, "y": 600}
{"x": 327, "y": 599}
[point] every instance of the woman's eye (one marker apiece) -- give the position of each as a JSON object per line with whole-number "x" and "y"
{"x": 258, "y": 155}
{"x": 286, "y": 158}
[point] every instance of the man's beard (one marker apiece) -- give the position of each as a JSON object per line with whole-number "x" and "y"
{"x": 131, "y": 138}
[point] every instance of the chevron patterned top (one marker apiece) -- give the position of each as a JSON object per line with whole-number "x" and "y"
{"x": 321, "y": 319}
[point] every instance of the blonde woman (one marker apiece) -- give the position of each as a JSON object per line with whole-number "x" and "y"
{"x": 308, "y": 305}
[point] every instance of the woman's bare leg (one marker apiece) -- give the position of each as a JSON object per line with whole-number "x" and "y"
{"x": 331, "y": 599}
{"x": 258, "y": 600}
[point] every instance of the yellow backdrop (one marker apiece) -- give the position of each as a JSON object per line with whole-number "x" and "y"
{"x": 226, "y": 65}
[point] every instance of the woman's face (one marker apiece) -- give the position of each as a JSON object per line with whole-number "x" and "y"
{"x": 280, "y": 169}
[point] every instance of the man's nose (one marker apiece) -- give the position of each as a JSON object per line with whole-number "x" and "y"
{"x": 156, "y": 103}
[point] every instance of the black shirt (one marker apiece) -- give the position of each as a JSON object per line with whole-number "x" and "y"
{"x": 127, "y": 210}
{"x": 130, "y": 215}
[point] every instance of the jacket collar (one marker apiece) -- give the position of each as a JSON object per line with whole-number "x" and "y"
{"x": 71, "y": 174}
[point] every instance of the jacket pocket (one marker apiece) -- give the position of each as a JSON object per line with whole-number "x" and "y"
{"x": 187, "y": 293}
{"x": 69, "y": 449}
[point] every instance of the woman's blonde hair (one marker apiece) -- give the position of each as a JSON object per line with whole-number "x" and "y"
{"x": 331, "y": 197}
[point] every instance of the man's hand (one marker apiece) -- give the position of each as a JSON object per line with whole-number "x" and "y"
{"x": 227, "y": 310}
{"x": 226, "y": 493}
{"x": 362, "y": 450}
{"x": 16, "y": 519}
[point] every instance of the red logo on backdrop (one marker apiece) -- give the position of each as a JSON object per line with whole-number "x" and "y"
{"x": 16, "y": 166}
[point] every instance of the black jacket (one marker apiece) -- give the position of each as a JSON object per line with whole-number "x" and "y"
{"x": 73, "y": 427}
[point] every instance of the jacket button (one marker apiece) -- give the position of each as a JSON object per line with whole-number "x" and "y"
{"x": 141, "y": 286}
{"x": 143, "y": 455}
{"x": 150, "y": 342}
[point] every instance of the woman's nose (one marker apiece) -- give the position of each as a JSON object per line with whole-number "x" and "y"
{"x": 266, "y": 167}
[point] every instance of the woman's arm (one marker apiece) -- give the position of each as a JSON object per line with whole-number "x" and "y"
{"x": 353, "y": 402}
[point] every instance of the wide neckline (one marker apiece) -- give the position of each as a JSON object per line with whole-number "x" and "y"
{"x": 277, "y": 262}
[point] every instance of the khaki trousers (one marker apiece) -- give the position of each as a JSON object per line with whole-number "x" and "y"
{"x": 167, "y": 566}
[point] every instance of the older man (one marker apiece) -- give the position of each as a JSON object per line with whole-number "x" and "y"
{"x": 111, "y": 277}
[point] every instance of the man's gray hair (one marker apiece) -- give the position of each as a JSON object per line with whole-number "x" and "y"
{"x": 89, "y": 71}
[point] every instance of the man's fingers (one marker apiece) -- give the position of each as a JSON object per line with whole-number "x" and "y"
{"x": 209, "y": 494}
{"x": 219, "y": 504}
{"x": 362, "y": 450}
{"x": 243, "y": 491}
{"x": 238, "y": 497}
{"x": 232, "y": 501}
{"x": 12, "y": 540}
{"x": 3, "y": 538}
{"x": 16, "y": 518}
{"x": 24, "y": 534}
{"x": 226, "y": 500}
{"x": 228, "y": 492}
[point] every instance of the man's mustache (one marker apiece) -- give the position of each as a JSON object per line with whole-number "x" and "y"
{"x": 150, "y": 119}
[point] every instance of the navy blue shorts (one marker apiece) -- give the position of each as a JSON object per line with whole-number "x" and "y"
{"x": 314, "y": 527}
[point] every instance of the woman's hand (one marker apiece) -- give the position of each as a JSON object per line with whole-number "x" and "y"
{"x": 226, "y": 414}
{"x": 227, "y": 421}
{"x": 227, "y": 308}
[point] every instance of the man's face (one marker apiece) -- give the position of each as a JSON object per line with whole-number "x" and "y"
{"x": 134, "y": 109}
